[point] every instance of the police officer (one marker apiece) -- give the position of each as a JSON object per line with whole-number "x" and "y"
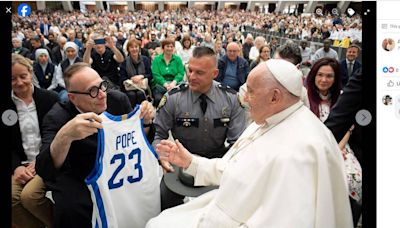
{"x": 202, "y": 114}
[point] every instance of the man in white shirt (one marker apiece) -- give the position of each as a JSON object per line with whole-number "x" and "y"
{"x": 325, "y": 51}
{"x": 341, "y": 32}
{"x": 305, "y": 53}
{"x": 262, "y": 181}
{"x": 254, "y": 51}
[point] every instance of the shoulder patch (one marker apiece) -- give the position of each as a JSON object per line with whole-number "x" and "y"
{"x": 179, "y": 88}
{"x": 227, "y": 88}
{"x": 162, "y": 102}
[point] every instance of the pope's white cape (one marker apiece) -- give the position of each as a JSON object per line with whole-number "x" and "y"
{"x": 291, "y": 176}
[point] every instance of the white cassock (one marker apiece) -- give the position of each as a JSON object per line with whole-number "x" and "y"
{"x": 288, "y": 173}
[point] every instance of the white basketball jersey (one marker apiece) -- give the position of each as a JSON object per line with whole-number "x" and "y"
{"x": 124, "y": 184}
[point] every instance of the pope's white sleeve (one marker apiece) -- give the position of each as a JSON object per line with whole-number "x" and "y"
{"x": 206, "y": 171}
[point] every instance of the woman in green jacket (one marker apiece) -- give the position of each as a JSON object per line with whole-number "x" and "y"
{"x": 167, "y": 70}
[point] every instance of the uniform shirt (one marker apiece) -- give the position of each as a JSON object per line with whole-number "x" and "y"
{"x": 200, "y": 134}
{"x": 29, "y": 127}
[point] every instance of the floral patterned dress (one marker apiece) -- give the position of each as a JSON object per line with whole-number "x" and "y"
{"x": 352, "y": 166}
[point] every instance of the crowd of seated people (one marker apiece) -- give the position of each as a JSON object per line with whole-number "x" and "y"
{"x": 187, "y": 28}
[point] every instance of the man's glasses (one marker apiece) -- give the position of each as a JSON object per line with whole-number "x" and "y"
{"x": 94, "y": 91}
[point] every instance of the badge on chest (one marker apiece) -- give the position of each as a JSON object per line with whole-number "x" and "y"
{"x": 187, "y": 122}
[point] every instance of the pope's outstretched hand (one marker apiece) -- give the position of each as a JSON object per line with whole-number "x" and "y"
{"x": 174, "y": 152}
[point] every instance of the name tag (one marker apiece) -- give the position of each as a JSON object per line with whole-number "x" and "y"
{"x": 222, "y": 122}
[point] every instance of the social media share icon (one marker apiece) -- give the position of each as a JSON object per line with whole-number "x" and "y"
{"x": 318, "y": 11}
{"x": 335, "y": 11}
{"x": 24, "y": 10}
{"x": 351, "y": 12}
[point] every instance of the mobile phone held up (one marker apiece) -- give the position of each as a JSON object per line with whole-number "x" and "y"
{"x": 100, "y": 41}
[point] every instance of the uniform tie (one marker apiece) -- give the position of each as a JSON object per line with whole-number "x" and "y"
{"x": 203, "y": 103}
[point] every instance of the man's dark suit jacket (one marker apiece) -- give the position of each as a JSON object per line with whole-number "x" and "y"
{"x": 57, "y": 56}
{"x": 42, "y": 27}
{"x": 246, "y": 51}
{"x": 340, "y": 119}
{"x": 343, "y": 70}
{"x": 73, "y": 206}
{"x": 342, "y": 115}
{"x": 44, "y": 100}
{"x": 24, "y": 52}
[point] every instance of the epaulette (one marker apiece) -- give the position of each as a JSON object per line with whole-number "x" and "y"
{"x": 227, "y": 88}
{"x": 180, "y": 88}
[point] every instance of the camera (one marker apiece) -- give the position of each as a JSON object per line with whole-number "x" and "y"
{"x": 100, "y": 41}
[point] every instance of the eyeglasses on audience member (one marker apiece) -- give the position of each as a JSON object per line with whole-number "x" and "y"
{"x": 94, "y": 91}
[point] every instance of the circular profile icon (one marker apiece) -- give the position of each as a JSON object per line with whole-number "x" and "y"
{"x": 388, "y": 44}
{"x": 387, "y": 100}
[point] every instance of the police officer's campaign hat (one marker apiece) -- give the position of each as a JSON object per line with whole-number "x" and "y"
{"x": 183, "y": 184}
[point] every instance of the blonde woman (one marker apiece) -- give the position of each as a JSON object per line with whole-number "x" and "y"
{"x": 30, "y": 207}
